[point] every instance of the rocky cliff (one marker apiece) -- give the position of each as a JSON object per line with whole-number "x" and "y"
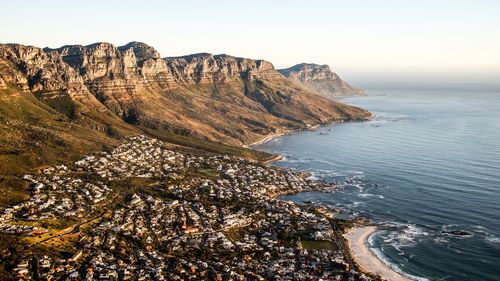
{"x": 214, "y": 97}
{"x": 320, "y": 79}
{"x": 32, "y": 69}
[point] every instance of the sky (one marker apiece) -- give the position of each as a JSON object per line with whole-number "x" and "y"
{"x": 366, "y": 41}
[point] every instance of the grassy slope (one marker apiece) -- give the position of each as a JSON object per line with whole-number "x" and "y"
{"x": 232, "y": 111}
{"x": 33, "y": 135}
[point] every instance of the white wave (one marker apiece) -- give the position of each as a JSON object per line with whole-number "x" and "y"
{"x": 440, "y": 240}
{"x": 348, "y": 173}
{"x": 391, "y": 117}
{"x": 355, "y": 204}
{"x": 365, "y": 195}
{"x": 448, "y": 226}
{"x": 332, "y": 174}
{"x": 314, "y": 176}
{"x": 394, "y": 266}
{"x": 482, "y": 232}
{"x": 294, "y": 160}
{"x": 407, "y": 235}
{"x": 276, "y": 140}
{"x": 460, "y": 236}
{"x": 357, "y": 185}
{"x": 493, "y": 239}
{"x": 371, "y": 238}
{"x": 479, "y": 227}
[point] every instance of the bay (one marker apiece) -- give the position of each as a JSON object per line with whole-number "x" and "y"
{"x": 426, "y": 168}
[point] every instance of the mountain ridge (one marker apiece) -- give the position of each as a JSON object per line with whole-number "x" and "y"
{"x": 321, "y": 80}
{"x": 194, "y": 95}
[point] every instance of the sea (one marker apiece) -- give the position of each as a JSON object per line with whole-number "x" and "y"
{"x": 426, "y": 169}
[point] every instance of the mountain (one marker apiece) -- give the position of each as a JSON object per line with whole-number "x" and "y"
{"x": 321, "y": 80}
{"x": 57, "y": 105}
{"x": 219, "y": 98}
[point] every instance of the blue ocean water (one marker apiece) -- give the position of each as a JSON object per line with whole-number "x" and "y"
{"x": 427, "y": 165}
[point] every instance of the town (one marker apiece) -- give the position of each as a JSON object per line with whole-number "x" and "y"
{"x": 145, "y": 211}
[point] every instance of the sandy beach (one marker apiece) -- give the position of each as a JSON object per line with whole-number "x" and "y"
{"x": 266, "y": 139}
{"x": 274, "y": 159}
{"x": 365, "y": 258}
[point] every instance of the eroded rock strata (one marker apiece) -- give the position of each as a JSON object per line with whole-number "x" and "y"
{"x": 215, "y": 97}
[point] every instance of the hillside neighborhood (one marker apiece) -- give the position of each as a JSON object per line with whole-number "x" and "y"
{"x": 186, "y": 217}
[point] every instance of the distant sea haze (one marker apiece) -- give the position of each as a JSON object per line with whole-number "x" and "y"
{"x": 468, "y": 87}
{"x": 461, "y": 80}
{"x": 427, "y": 169}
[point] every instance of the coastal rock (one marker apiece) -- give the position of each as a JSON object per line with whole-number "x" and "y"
{"x": 320, "y": 79}
{"x": 459, "y": 233}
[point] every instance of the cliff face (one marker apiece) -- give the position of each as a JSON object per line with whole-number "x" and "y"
{"x": 207, "y": 68}
{"x": 217, "y": 97}
{"x": 320, "y": 79}
{"x": 44, "y": 74}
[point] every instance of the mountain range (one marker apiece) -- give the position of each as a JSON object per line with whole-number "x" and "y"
{"x": 77, "y": 97}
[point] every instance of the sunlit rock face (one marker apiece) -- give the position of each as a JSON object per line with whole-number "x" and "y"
{"x": 320, "y": 79}
{"x": 216, "y": 97}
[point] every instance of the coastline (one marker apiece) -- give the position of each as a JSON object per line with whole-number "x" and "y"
{"x": 364, "y": 257}
{"x": 265, "y": 139}
{"x": 277, "y": 157}
{"x": 271, "y": 136}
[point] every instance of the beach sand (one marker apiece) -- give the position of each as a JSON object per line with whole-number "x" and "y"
{"x": 266, "y": 139}
{"x": 365, "y": 258}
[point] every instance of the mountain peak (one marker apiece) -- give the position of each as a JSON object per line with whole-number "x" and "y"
{"x": 141, "y": 50}
{"x": 311, "y": 65}
{"x": 100, "y": 45}
{"x": 306, "y": 72}
{"x": 320, "y": 79}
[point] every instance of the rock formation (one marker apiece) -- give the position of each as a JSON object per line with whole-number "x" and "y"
{"x": 215, "y": 97}
{"x": 320, "y": 79}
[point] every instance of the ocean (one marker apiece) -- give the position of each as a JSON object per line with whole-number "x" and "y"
{"x": 426, "y": 168}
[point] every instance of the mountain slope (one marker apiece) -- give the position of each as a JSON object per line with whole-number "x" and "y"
{"x": 214, "y": 97}
{"x": 321, "y": 80}
{"x": 58, "y": 104}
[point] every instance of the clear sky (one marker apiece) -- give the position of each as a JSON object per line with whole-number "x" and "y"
{"x": 361, "y": 39}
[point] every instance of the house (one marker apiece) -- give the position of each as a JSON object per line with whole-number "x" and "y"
{"x": 190, "y": 230}
{"x": 76, "y": 256}
{"x": 37, "y": 187}
{"x": 135, "y": 200}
